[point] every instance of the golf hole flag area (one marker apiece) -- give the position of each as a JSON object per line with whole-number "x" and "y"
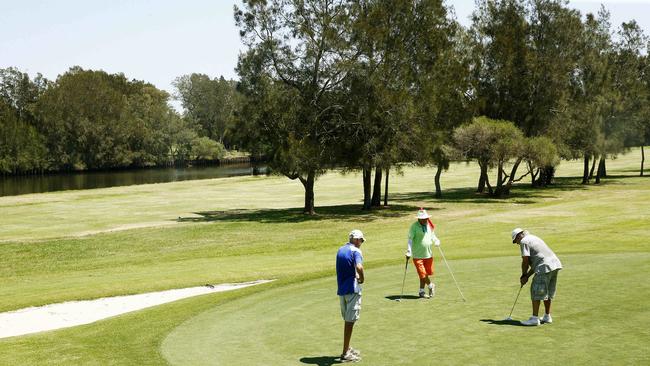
{"x": 246, "y": 229}
{"x": 300, "y": 324}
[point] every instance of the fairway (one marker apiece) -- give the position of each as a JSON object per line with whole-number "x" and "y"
{"x": 243, "y": 229}
{"x": 300, "y": 324}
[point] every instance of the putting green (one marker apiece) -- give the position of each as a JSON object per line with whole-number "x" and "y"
{"x": 600, "y": 316}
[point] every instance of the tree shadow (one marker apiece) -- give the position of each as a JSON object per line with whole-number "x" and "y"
{"x": 522, "y": 193}
{"x": 405, "y": 297}
{"x": 510, "y": 322}
{"x": 321, "y": 360}
{"x": 456, "y": 195}
{"x": 295, "y": 215}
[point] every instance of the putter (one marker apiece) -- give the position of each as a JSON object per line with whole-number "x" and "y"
{"x": 452, "y": 274}
{"x": 513, "y": 305}
{"x": 403, "y": 280}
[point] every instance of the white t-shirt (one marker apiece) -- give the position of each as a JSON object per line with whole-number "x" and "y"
{"x": 542, "y": 258}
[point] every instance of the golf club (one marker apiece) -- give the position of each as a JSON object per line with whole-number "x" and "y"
{"x": 513, "y": 305}
{"x": 403, "y": 280}
{"x": 452, "y": 274}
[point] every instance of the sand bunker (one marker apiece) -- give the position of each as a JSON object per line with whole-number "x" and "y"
{"x": 72, "y": 313}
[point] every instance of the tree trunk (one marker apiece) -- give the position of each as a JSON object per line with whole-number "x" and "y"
{"x": 546, "y": 176}
{"x": 366, "y": 188}
{"x": 376, "y": 190}
{"x": 642, "y": 160}
{"x": 498, "y": 192}
{"x": 601, "y": 169}
{"x": 593, "y": 165}
{"x": 511, "y": 178}
{"x": 482, "y": 180}
{"x": 309, "y": 193}
{"x": 386, "y": 188}
{"x": 533, "y": 175}
{"x": 585, "y": 173}
{"x": 437, "y": 180}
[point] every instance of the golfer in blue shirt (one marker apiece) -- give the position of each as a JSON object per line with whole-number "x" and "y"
{"x": 349, "y": 276}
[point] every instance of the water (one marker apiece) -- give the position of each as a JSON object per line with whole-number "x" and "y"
{"x": 12, "y": 186}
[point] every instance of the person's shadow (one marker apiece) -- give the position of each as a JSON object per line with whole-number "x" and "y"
{"x": 321, "y": 360}
{"x": 405, "y": 297}
{"x": 511, "y": 322}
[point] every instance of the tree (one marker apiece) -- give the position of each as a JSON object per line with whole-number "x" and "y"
{"x": 21, "y": 145}
{"x": 526, "y": 56}
{"x": 95, "y": 120}
{"x": 581, "y": 119}
{"x": 494, "y": 144}
{"x": 298, "y": 52}
{"x": 208, "y": 102}
{"x": 204, "y": 148}
{"x": 540, "y": 152}
{"x": 627, "y": 127}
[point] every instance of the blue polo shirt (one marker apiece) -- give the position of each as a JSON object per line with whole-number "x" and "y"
{"x": 346, "y": 261}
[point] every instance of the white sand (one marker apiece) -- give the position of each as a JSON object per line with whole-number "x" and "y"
{"x": 69, "y": 314}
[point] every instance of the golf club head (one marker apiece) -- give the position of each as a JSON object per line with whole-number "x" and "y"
{"x": 508, "y": 318}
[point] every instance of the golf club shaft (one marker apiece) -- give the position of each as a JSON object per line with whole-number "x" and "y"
{"x": 452, "y": 273}
{"x": 404, "y": 279}
{"x": 516, "y": 298}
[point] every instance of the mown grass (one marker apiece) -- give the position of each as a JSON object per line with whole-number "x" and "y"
{"x": 239, "y": 229}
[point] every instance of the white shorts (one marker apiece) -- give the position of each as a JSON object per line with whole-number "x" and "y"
{"x": 350, "y": 307}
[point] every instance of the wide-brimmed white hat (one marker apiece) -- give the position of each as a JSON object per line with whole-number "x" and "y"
{"x": 356, "y": 234}
{"x": 516, "y": 232}
{"x": 422, "y": 214}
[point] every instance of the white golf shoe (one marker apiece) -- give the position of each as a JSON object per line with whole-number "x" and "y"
{"x": 354, "y": 351}
{"x": 547, "y": 319}
{"x": 532, "y": 321}
{"x": 350, "y": 357}
{"x": 432, "y": 290}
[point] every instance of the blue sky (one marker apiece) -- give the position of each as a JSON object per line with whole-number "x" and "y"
{"x": 157, "y": 41}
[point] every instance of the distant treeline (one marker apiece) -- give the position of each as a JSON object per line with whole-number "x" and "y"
{"x": 94, "y": 120}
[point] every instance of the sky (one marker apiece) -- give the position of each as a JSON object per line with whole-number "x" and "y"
{"x": 157, "y": 41}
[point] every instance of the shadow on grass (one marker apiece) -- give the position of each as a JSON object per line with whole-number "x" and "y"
{"x": 520, "y": 193}
{"x": 510, "y": 322}
{"x": 405, "y": 297}
{"x": 294, "y": 215}
{"x": 321, "y": 360}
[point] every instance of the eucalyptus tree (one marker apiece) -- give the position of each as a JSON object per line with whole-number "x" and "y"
{"x": 440, "y": 59}
{"x": 626, "y": 127}
{"x": 527, "y": 54}
{"x": 644, "y": 122}
{"x": 298, "y": 53}
{"x": 378, "y": 103}
{"x": 581, "y": 120}
{"x": 500, "y": 31}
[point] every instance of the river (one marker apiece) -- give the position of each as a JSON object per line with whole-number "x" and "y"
{"x": 12, "y": 186}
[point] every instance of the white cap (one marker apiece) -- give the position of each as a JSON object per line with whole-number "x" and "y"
{"x": 422, "y": 214}
{"x": 356, "y": 234}
{"x": 516, "y": 232}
